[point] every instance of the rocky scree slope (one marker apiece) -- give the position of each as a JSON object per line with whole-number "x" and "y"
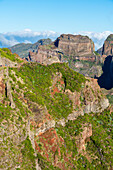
{"x": 51, "y": 118}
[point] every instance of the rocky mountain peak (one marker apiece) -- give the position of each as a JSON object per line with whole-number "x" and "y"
{"x": 108, "y": 46}
{"x": 75, "y": 44}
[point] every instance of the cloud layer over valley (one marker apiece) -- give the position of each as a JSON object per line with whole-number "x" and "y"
{"x": 9, "y": 39}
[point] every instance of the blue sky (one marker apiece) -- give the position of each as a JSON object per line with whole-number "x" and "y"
{"x": 65, "y": 16}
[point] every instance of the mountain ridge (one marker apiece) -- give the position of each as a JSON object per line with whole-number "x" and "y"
{"x": 41, "y": 107}
{"x": 23, "y": 49}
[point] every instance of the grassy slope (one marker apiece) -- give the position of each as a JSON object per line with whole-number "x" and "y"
{"x": 4, "y": 52}
{"x": 39, "y": 80}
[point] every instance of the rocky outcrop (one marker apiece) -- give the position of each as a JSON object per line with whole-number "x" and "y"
{"x": 108, "y": 46}
{"x": 94, "y": 101}
{"x": 91, "y": 99}
{"x": 83, "y": 137}
{"x": 80, "y": 47}
{"x": 75, "y": 45}
{"x": 44, "y": 55}
{"x": 106, "y": 79}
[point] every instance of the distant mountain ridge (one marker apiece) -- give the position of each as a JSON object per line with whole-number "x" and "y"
{"x": 23, "y": 49}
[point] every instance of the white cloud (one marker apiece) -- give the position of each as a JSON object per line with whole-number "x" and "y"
{"x": 30, "y": 33}
{"x": 5, "y": 42}
{"x": 28, "y": 36}
{"x": 8, "y": 39}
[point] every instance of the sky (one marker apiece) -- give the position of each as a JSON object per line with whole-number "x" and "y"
{"x": 64, "y": 16}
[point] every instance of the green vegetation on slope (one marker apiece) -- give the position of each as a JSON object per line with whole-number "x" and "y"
{"x": 5, "y": 52}
{"x": 38, "y": 83}
{"x": 44, "y": 164}
{"x": 5, "y": 112}
{"x": 28, "y": 161}
{"x": 35, "y": 88}
{"x": 99, "y": 148}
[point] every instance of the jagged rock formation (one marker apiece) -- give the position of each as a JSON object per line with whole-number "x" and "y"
{"x": 108, "y": 46}
{"x": 106, "y": 79}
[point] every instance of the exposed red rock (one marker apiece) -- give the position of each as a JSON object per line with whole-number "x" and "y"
{"x": 51, "y": 143}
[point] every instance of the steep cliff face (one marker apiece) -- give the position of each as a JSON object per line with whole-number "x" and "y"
{"x": 106, "y": 79}
{"x": 75, "y": 45}
{"x": 108, "y": 46}
{"x": 53, "y": 124}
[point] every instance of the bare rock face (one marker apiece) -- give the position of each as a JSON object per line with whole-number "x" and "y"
{"x": 94, "y": 100}
{"x": 90, "y": 97}
{"x": 44, "y": 55}
{"x": 108, "y": 46}
{"x": 75, "y": 45}
{"x": 106, "y": 79}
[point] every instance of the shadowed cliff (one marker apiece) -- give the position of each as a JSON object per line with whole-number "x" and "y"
{"x": 106, "y": 79}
